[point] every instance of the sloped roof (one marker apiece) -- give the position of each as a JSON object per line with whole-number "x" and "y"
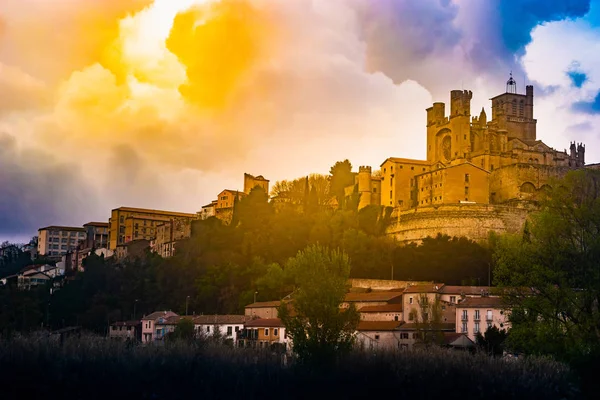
{"x": 372, "y": 296}
{"x": 264, "y": 323}
{"x": 264, "y": 304}
{"x": 158, "y": 314}
{"x": 382, "y": 308}
{"x": 466, "y": 290}
{"x": 378, "y": 325}
{"x": 220, "y": 319}
{"x": 471, "y": 302}
{"x": 62, "y": 228}
{"x": 426, "y": 288}
{"x": 455, "y": 339}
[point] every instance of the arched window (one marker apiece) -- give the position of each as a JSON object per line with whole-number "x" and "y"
{"x": 527, "y": 187}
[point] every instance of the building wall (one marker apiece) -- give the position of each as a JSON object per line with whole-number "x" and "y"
{"x": 122, "y": 223}
{"x": 378, "y": 340}
{"x": 261, "y": 312}
{"x": 250, "y": 182}
{"x": 522, "y": 181}
{"x": 58, "y": 241}
{"x": 209, "y": 329}
{"x": 473, "y": 221}
{"x": 411, "y": 305}
{"x": 488, "y": 316}
{"x": 168, "y": 233}
{"x": 397, "y": 175}
{"x": 381, "y": 316}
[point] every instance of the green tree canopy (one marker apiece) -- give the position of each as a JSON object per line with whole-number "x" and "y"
{"x": 320, "y": 331}
{"x": 552, "y": 274}
{"x": 341, "y": 177}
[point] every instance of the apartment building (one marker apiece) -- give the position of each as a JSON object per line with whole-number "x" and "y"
{"x": 56, "y": 241}
{"x": 168, "y": 233}
{"x": 127, "y": 224}
{"x": 477, "y": 314}
{"x": 96, "y": 234}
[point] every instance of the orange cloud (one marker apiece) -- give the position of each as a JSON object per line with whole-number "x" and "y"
{"x": 218, "y": 43}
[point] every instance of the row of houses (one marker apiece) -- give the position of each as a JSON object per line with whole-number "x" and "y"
{"x": 397, "y": 318}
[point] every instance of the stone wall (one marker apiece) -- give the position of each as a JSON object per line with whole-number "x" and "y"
{"x": 381, "y": 284}
{"x": 474, "y": 221}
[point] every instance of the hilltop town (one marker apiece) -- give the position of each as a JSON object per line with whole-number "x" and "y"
{"x": 480, "y": 177}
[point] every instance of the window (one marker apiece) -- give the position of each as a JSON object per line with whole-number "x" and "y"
{"x": 229, "y": 331}
{"x": 401, "y": 202}
{"x": 404, "y": 335}
{"x": 476, "y": 329}
{"x": 476, "y": 315}
{"x": 396, "y": 318}
{"x": 412, "y": 168}
{"x": 464, "y": 327}
{"x": 414, "y": 335}
{"x": 452, "y": 299}
{"x": 390, "y": 194}
{"x": 376, "y": 337}
{"x": 266, "y": 331}
{"x": 63, "y": 240}
{"x": 465, "y": 137}
{"x": 275, "y": 332}
{"x": 465, "y": 315}
{"x": 208, "y": 329}
{"x": 122, "y": 229}
{"x": 423, "y": 169}
{"x": 122, "y": 219}
{"x": 489, "y": 315}
{"x": 237, "y": 328}
{"x": 374, "y": 190}
{"x": 410, "y": 300}
{"x": 136, "y": 225}
{"x": 63, "y": 247}
{"x": 466, "y": 178}
{"x": 466, "y": 190}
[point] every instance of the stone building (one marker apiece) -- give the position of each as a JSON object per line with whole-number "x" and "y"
{"x": 480, "y": 175}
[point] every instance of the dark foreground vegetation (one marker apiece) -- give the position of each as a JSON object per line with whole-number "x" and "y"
{"x": 90, "y": 368}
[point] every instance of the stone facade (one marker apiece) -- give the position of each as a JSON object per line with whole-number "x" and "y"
{"x": 479, "y": 176}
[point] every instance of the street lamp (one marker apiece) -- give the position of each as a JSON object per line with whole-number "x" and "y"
{"x": 134, "y": 304}
{"x": 255, "y": 293}
{"x": 186, "y": 305}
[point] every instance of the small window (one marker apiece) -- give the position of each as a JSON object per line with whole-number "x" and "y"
{"x": 266, "y": 331}
{"x": 275, "y": 332}
{"x": 412, "y": 168}
{"x": 466, "y": 178}
{"x": 410, "y": 300}
{"x": 208, "y": 329}
{"x": 229, "y": 330}
{"x": 376, "y": 337}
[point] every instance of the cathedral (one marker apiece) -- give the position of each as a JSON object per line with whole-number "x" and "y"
{"x": 479, "y": 174}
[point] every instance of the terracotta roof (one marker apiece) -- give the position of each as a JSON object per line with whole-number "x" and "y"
{"x": 494, "y": 302}
{"x": 158, "y": 314}
{"x": 427, "y": 288}
{"x": 406, "y": 161}
{"x": 449, "y": 326}
{"x": 382, "y": 308}
{"x": 378, "y": 325}
{"x": 372, "y": 296}
{"x": 221, "y": 319}
{"x": 466, "y": 290}
{"x": 264, "y": 304}
{"x": 264, "y": 323}
{"x": 174, "y": 319}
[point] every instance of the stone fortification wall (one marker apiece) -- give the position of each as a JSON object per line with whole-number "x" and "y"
{"x": 381, "y": 284}
{"x": 473, "y": 221}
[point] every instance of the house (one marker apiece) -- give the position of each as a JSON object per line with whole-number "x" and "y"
{"x": 378, "y": 335}
{"x": 478, "y": 314}
{"x": 386, "y": 312}
{"x": 412, "y": 334}
{"x": 153, "y": 327}
{"x": 453, "y": 294}
{"x": 264, "y": 333}
{"x": 380, "y": 298}
{"x": 263, "y": 309}
{"x": 458, "y": 341}
{"x": 125, "y": 330}
{"x": 228, "y": 326}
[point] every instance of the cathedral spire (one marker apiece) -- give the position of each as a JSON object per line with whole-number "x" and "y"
{"x": 511, "y": 85}
{"x": 482, "y": 118}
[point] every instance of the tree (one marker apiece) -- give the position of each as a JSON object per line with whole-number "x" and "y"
{"x": 427, "y": 317}
{"x": 552, "y": 275}
{"x": 493, "y": 341}
{"x": 319, "y": 330}
{"x": 341, "y": 177}
{"x": 184, "y": 330}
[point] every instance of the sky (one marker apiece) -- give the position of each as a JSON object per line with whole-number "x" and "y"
{"x": 163, "y": 103}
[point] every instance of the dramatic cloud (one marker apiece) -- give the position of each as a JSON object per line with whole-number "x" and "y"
{"x": 590, "y": 107}
{"x": 164, "y": 103}
{"x": 36, "y": 190}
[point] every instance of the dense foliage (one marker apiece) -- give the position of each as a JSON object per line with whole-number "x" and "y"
{"x": 98, "y": 369}
{"x": 319, "y": 331}
{"x": 552, "y": 275}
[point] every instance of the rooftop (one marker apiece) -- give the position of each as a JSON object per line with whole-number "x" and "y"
{"x": 382, "y": 308}
{"x": 426, "y": 288}
{"x": 151, "y": 211}
{"x": 472, "y": 302}
{"x": 264, "y": 323}
{"x": 378, "y": 325}
{"x": 264, "y": 304}
{"x": 406, "y": 161}
{"x": 372, "y": 296}
{"x": 444, "y": 326}
{"x": 62, "y": 228}
{"x": 101, "y": 224}
{"x": 158, "y": 314}
{"x": 221, "y": 319}
{"x": 466, "y": 290}
{"x": 126, "y": 323}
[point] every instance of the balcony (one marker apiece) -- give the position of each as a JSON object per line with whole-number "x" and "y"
{"x": 477, "y": 317}
{"x": 464, "y": 317}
